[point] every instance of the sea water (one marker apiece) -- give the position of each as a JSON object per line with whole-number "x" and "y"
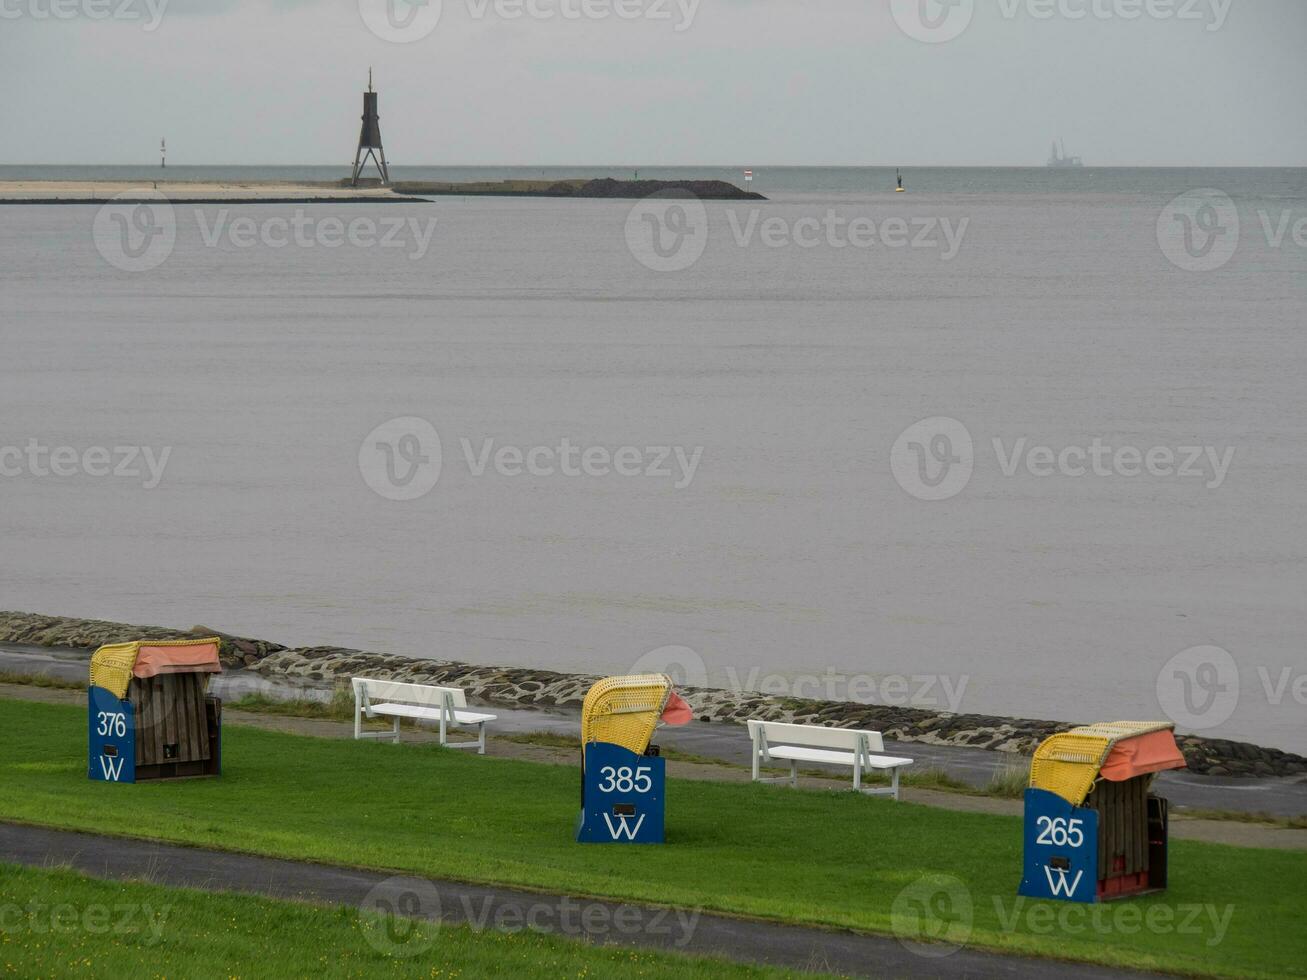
{"x": 743, "y": 501}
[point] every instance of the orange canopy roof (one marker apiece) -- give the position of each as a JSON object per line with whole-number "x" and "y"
{"x": 677, "y": 712}
{"x": 1131, "y": 757}
{"x": 196, "y": 658}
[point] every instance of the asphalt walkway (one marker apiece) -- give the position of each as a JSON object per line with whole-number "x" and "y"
{"x": 452, "y": 902}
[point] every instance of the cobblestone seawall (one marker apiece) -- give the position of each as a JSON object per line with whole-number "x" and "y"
{"x": 525, "y": 687}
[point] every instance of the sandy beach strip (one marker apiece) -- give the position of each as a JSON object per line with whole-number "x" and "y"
{"x": 187, "y": 192}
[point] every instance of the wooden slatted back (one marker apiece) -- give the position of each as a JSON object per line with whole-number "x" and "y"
{"x": 812, "y": 736}
{"x": 1122, "y": 825}
{"x": 368, "y": 690}
{"x": 170, "y": 712}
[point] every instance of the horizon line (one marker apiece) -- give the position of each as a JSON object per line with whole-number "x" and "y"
{"x": 718, "y": 166}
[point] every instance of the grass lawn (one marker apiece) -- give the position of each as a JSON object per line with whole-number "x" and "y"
{"x": 836, "y": 859}
{"x": 57, "y": 923}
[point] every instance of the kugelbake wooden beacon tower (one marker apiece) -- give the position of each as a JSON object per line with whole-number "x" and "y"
{"x": 370, "y": 139}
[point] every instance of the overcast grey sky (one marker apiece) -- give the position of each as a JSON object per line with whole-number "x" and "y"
{"x": 837, "y": 82}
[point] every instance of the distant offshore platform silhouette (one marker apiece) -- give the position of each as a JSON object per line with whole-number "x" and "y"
{"x": 1058, "y": 159}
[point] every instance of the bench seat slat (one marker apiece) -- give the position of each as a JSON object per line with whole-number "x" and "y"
{"x": 442, "y": 706}
{"x": 801, "y": 753}
{"x": 431, "y": 714}
{"x": 794, "y": 743}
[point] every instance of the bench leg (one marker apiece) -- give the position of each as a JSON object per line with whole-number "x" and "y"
{"x": 755, "y": 764}
{"x": 481, "y": 739}
{"x": 358, "y": 720}
{"x": 794, "y": 773}
{"x": 894, "y": 781}
{"x": 396, "y": 729}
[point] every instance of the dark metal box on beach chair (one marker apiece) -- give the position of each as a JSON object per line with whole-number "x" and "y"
{"x": 150, "y": 714}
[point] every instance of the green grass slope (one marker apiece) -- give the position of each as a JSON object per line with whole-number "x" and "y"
{"x": 826, "y": 858}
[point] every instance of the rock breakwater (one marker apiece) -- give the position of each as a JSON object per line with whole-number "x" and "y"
{"x": 524, "y": 687}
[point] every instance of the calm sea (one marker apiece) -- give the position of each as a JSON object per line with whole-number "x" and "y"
{"x": 665, "y": 428}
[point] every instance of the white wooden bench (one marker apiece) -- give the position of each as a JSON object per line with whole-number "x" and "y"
{"x": 393, "y": 699}
{"x": 774, "y": 740}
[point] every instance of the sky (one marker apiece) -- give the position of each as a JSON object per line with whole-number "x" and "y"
{"x": 657, "y": 82}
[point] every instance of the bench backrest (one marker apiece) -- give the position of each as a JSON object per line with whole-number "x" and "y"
{"x": 814, "y": 736}
{"x": 368, "y": 690}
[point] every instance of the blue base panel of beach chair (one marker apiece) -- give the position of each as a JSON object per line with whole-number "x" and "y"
{"x": 622, "y": 797}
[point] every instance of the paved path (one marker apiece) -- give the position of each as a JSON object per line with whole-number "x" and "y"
{"x": 615, "y": 923}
